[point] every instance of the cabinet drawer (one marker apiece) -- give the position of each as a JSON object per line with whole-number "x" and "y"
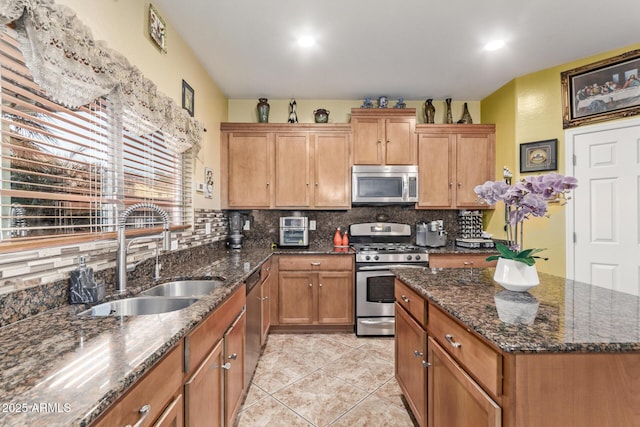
{"x": 480, "y": 360}
{"x": 312, "y": 263}
{"x": 156, "y": 389}
{"x": 460, "y": 261}
{"x": 409, "y": 299}
{"x": 265, "y": 269}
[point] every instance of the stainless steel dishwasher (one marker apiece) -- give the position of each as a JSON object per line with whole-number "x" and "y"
{"x": 254, "y": 317}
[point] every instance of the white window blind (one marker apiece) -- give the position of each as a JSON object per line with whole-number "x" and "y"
{"x": 68, "y": 173}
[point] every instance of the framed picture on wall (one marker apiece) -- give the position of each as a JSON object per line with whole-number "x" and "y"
{"x": 187, "y": 97}
{"x": 605, "y": 90}
{"x": 157, "y": 28}
{"x": 539, "y": 156}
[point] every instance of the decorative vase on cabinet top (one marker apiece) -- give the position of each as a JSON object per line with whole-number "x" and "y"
{"x": 263, "y": 110}
{"x": 429, "y": 111}
{"x": 515, "y": 275}
{"x": 321, "y": 115}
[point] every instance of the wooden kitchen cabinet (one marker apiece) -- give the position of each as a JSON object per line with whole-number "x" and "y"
{"x": 384, "y": 136}
{"x": 452, "y": 161}
{"x": 151, "y": 396}
{"x": 173, "y": 415}
{"x": 234, "y": 368}
{"x": 247, "y": 169}
{"x": 455, "y": 399}
{"x": 285, "y": 166}
{"x": 411, "y": 369}
{"x": 315, "y": 290}
{"x": 460, "y": 260}
{"x": 212, "y": 385}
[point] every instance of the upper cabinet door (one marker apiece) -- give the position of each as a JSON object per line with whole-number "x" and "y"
{"x": 332, "y": 172}
{"x": 249, "y": 170}
{"x": 475, "y": 164}
{"x": 368, "y": 135}
{"x": 435, "y": 171}
{"x": 384, "y": 136}
{"x": 400, "y": 141}
{"x": 292, "y": 170}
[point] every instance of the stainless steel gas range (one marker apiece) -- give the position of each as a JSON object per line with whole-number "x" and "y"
{"x": 380, "y": 246}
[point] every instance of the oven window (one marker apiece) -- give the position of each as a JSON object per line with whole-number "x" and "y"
{"x": 380, "y": 289}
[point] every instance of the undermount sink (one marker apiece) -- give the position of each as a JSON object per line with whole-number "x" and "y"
{"x": 184, "y": 288}
{"x": 139, "y": 306}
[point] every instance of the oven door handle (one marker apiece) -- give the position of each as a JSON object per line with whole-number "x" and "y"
{"x": 387, "y": 267}
{"x": 378, "y": 322}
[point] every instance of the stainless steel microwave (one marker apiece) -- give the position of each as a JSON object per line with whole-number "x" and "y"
{"x": 384, "y": 184}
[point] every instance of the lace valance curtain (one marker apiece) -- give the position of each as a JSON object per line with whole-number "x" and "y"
{"x": 74, "y": 69}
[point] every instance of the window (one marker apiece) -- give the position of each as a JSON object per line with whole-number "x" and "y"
{"x": 69, "y": 172}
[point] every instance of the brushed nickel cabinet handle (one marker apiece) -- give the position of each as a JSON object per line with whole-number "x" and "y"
{"x": 425, "y": 364}
{"x": 226, "y": 366}
{"x": 234, "y": 356}
{"x": 316, "y": 264}
{"x": 450, "y": 340}
{"x": 404, "y": 298}
{"x": 417, "y": 353}
{"x": 144, "y": 412}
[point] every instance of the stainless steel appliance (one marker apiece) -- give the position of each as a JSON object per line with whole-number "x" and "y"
{"x": 384, "y": 185}
{"x": 294, "y": 231}
{"x": 431, "y": 234}
{"x": 253, "y": 325}
{"x": 379, "y": 247}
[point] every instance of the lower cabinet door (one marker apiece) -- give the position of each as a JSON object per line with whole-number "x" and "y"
{"x": 455, "y": 399}
{"x": 234, "y": 368}
{"x": 411, "y": 366}
{"x": 335, "y": 298}
{"x": 204, "y": 392}
{"x": 173, "y": 415}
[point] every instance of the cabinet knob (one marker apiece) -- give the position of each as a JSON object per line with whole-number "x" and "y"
{"x": 425, "y": 364}
{"x": 234, "y": 356}
{"x": 226, "y": 366}
{"x": 316, "y": 264}
{"x": 450, "y": 340}
{"x": 310, "y": 285}
{"x": 379, "y": 142}
{"x": 417, "y": 353}
{"x": 320, "y": 285}
{"x": 144, "y": 412}
{"x": 404, "y": 298}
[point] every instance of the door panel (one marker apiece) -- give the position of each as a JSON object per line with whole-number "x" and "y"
{"x": 607, "y": 246}
{"x": 292, "y": 170}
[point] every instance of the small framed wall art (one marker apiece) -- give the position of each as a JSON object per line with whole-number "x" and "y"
{"x": 157, "y": 28}
{"x": 539, "y": 156}
{"x": 187, "y": 97}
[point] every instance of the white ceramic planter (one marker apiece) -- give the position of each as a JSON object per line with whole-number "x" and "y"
{"x": 515, "y": 275}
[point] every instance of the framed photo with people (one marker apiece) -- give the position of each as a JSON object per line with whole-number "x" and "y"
{"x": 605, "y": 90}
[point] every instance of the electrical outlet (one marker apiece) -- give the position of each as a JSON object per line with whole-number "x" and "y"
{"x": 174, "y": 245}
{"x": 312, "y": 225}
{"x": 246, "y": 226}
{"x": 200, "y": 187}
{"x": 207, "y": 228}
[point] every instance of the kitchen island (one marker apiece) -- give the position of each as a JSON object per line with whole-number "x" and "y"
{"x": 565, "y": 353}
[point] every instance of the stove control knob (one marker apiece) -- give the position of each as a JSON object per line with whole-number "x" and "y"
{"x": 408, "y": 257}
{"x": 417, "y": 257}
{"x": 376, "y": 257}
{"x": 367, "y": 257}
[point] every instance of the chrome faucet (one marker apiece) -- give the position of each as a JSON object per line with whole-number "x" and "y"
{"x": 121, "y": 260}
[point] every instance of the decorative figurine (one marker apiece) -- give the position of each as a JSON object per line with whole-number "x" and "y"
{"x": 382, "y": 102}
{"x": 429, "y": 111}
{"x": 293, "y": 116}
{"x": 367, "y": 103}
{"x": 400, "y": 104}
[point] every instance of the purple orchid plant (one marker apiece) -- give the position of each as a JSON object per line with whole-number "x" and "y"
{"x": 524, "y": 199}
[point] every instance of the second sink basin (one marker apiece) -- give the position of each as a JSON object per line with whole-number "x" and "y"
{"x": 184, "y": 288}
{"x": 139, "y": 306}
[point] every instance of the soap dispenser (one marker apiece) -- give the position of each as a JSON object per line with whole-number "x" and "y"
{"x": 82, "y": 286}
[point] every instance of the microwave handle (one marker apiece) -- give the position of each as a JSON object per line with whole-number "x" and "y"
{"x": 405, "y": 187}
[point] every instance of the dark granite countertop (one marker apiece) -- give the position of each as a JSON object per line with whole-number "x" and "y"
{"x": 559, "y": 315}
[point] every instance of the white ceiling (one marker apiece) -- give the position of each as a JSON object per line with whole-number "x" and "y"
{"x": 415, "y": 49}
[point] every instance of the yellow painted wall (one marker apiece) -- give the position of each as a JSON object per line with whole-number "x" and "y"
{"x": 537, "y": 116}
{"x": 123, "y": 26}
{"x": 245, "y": 111}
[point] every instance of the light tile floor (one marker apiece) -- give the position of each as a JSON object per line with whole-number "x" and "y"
{"x": 336, "y": 380}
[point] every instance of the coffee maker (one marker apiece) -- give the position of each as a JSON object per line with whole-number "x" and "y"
{"x": 431, "y": 234}
{"x": 236, "y": 223}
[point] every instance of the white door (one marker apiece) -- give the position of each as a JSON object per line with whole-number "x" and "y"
{"x": 604, "y": 249}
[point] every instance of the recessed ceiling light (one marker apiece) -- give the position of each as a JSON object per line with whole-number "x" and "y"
{"x": 494, "y": 45}
{"x": 306, "y": 41}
